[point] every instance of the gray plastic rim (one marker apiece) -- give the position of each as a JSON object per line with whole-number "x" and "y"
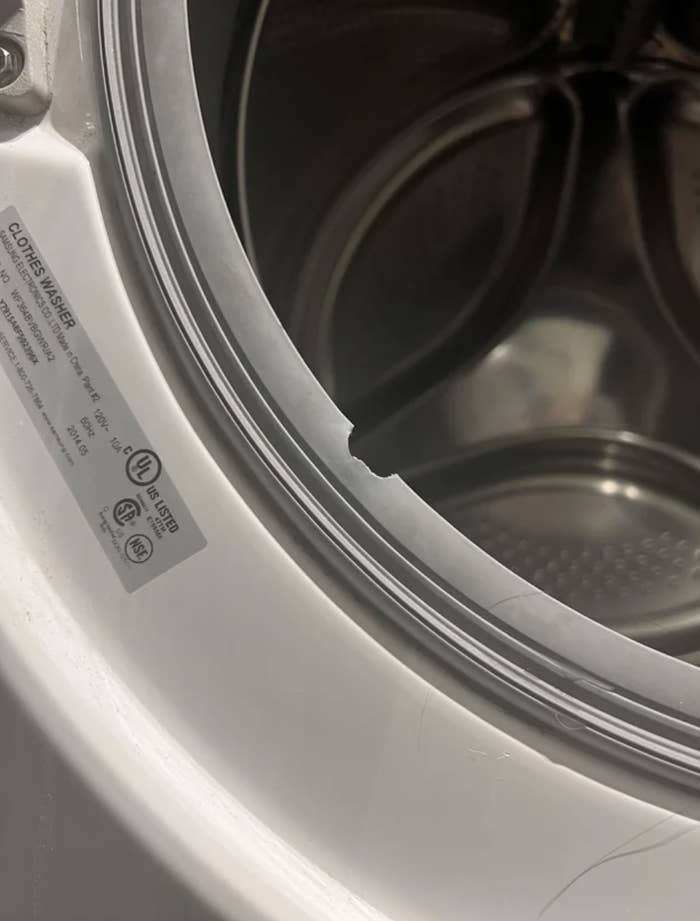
{"x": 502, "y": 634}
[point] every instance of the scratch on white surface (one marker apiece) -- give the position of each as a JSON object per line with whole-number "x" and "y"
{"x": 517, "y": 596}
{"x": 617, "y": 854}
{"x": 77, "y": 26}
{"x": 419, "y": 742}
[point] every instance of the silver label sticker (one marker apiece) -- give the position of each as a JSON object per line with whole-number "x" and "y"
{"x": 117, "y": 477}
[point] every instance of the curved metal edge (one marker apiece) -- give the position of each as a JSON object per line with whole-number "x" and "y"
{"x": 475, "y": 615}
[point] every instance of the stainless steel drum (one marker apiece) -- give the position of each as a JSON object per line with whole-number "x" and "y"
{"x": 479, "y": 222}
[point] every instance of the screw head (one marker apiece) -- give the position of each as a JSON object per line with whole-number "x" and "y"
{"x": 11, "y": 61}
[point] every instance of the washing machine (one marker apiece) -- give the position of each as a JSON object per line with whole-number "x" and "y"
{"x": 350, "y": 482}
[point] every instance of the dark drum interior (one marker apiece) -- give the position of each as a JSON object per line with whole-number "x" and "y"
{"x": 479, "y": 221}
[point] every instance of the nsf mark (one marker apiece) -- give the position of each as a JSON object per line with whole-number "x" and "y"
{"x": 138, "y": 548}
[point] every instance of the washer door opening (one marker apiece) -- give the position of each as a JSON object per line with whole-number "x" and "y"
{"x": 477, "y": 222}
